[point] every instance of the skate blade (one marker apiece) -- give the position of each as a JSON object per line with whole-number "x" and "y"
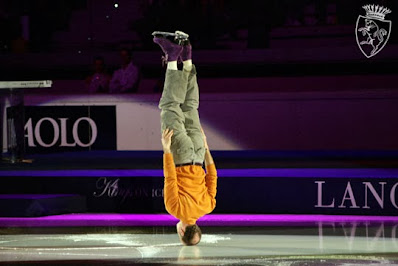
{"x": 163, "y": 33}
{"x": 178, "y": 35}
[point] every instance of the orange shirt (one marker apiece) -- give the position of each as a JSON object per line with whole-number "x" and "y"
{"x": 189, "y": 193}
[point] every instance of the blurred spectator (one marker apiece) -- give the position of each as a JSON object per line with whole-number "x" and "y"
{"x": 45, "y": 18}
{"x": 41, "y": 25}
{"x": 126, "y": 78}
{"x": 210, "y": 16}
{"x": 393, "y": 16}
{"x": 259, "y": 23}
{"x": 321, "y": 11}
{"x": 19, "y": 45}
{"x": 10, "y": 28}
{"x": 204, "y": 20}
{"x": 99, "y": 80}
{"x": 294, "y": 12}
{"x": 163, "y": 15}
{"x": 347, "y": 11}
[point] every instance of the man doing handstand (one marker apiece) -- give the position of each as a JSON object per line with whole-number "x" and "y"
{"x": 189, "y": 191}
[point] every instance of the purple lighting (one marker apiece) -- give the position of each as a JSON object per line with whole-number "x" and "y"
{"x": 71, "y": 220}
{"x": 32, "y": 196}
{"x": 258, "y": 172}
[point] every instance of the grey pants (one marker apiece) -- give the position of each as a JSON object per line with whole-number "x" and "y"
{"x": 179, "y": 111}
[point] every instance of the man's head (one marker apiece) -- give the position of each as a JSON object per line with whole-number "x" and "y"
{"x": 99, "y": 64}
{"x": 190, "y": 235}
{"x": 125, "y": 55}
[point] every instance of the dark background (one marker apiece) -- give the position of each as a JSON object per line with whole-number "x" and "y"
{"x": 63, "y": 36}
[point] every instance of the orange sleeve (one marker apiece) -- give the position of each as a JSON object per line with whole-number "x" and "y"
{"x": 170, "y": 183}
{"x": 211, "y": 181}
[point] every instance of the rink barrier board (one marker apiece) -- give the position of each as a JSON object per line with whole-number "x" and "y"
{"x": 264, "y": 191}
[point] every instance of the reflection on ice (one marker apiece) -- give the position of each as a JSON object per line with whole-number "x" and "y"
{"x": 213, "y": 239}
{"x": 348, "y": 240}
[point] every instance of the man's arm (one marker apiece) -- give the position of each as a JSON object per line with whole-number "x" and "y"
{"x": 211, "y": 175}
{"x": 211, "y": 172}
{"x": 170, "y": 175}
{"x": 208, "y": 158}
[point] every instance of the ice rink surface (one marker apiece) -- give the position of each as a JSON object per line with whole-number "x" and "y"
{"x": 341, "y": 244}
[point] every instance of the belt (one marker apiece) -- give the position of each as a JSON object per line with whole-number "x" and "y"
{"x": 184, "y": 164}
